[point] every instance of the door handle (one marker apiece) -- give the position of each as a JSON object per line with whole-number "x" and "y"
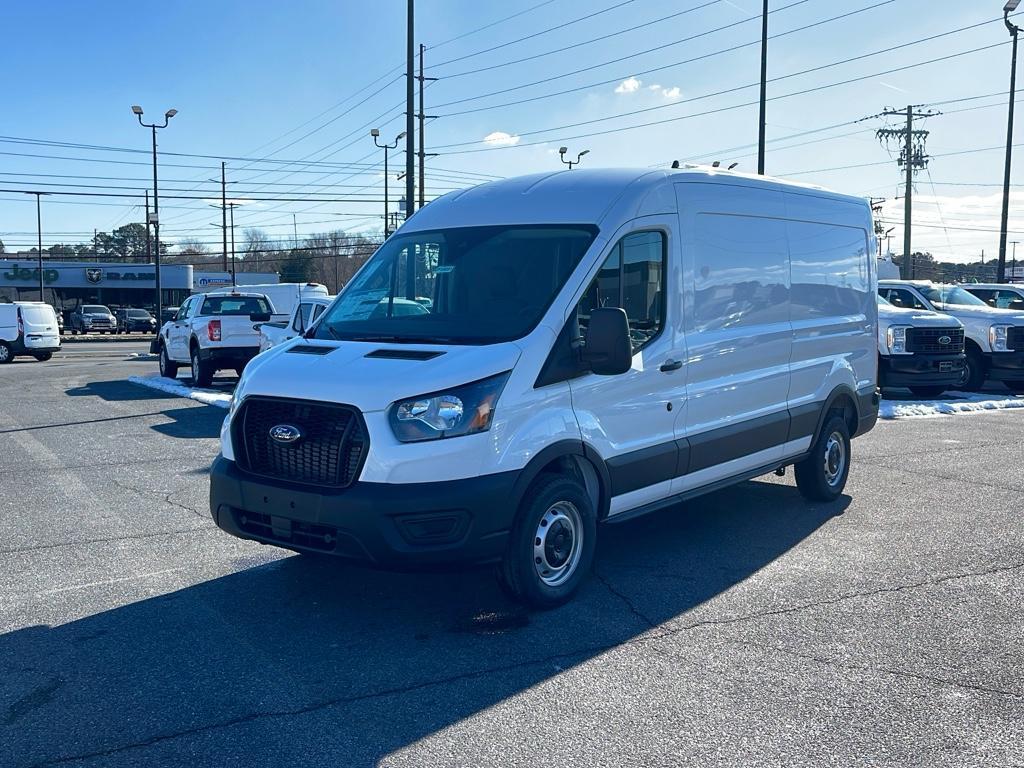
{"x": 671, "y": 365}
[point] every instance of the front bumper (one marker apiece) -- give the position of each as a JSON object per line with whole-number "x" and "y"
{"x": 400, "y": 525}
{"x": 1006, "y": 366}
{"x": 920, "y": 370}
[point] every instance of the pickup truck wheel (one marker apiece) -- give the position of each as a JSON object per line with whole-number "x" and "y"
{"x": 822, "y": 475}
{"x": 974, "y": 372}
{"x": 168, "y": 368}
{"x": 928, "y": 392}
{"x": 202, "y": 371}
{"x": 42, "y": 357}
{"x": 552, "y": 543}
{"x": 5, "y": 353}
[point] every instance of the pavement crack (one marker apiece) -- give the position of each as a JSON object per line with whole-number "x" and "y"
{"x": 640, "y": 615}
{"x": 166, "y": 498}
{"x": 102, "y": 540}
{"x": 939, "y": 476}
{"x": 832, "y": 662}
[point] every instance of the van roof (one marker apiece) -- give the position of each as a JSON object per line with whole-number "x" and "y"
{"x": 586, "y": 196}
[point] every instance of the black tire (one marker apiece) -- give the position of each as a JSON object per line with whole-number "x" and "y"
{"x": 42, "y": 357}
{"x": 974, "y": 372}
{"x": 168, "y": 368}
{"x": 928, "y": 393}
{"x": 5, "y": 353}
{"x": 1017, "y": 387}
{"x": 822, "y": 475}
{"x": 554, "y": 505}
{"x": 202, "y": 370}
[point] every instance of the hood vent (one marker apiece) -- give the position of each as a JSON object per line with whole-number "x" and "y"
{"x": 405, "y": 354}
{"x": 310, "y": 349}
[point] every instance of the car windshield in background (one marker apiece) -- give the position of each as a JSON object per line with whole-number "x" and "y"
{"x": 95, "y": 310}
{"x": 235, "y": 305}
{"x": 139, "y": 314}
{"x": 951, "y": 294}
{"x": 470, "y": 285}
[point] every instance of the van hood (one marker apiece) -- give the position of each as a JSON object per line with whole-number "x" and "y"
{"x": 921, "y": 318}
{"x": 346, "y": 374}
{"x": 983, "y": 313}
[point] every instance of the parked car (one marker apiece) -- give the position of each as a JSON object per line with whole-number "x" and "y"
{"x": 284, "y": 296}
{"x": 305, "y": 314}
{"x": 999, "y": 295}
{"x": 212, "y": 332}
{"x": 28, "y": 329}
{"x": 920, "y": 350}
{"x": 93, "y": 318}
{"x": 132, "y": 320}
{"x": 599, "y": 344}
{"x": 994, "y": 338}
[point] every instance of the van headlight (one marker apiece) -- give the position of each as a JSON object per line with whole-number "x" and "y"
{"x": 997, "y": 338}
{"x": 896, "y": 337}
{"x": 463, "y": 410}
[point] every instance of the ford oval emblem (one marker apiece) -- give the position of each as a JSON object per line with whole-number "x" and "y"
{"x": 945, "y": 340}
{"x": 285, "y": 434}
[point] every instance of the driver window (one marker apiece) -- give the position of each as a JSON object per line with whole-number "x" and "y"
{"x": 633, "y": 278}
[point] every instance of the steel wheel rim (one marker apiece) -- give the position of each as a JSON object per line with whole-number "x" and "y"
{"x": 558, "y": 543}
{"x": 834, "y": 458}
{"x": 4, "y": 353}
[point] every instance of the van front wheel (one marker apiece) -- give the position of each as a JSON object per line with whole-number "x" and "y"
{"x": 822, "y": 475}
{"x": 552, "y": 543}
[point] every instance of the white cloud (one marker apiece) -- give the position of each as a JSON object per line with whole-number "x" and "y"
{"x": 629, "y": 85}
{"x": 672, "y": 93}
{"x": 501, "y": 139}
{"x": 654, "y": 87}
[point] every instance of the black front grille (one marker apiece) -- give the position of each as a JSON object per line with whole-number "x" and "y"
{"x": 1015, "y": 338}
{"x": 329, "y": 452}
{"x": 927, "y": 340}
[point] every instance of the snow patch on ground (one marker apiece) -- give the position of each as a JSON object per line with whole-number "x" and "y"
{"x": 181, "y": 389}
{"x": 951, "y": 405}
{"x": 142, "y": 356}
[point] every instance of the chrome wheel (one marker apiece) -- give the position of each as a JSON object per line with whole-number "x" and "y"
{"x": 835, "y": 459}
{"x": 558, "y": 543}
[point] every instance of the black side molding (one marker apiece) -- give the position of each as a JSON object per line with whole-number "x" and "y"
{"x": 405, "y": 354}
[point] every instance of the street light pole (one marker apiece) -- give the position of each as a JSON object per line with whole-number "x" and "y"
{"x": 764, "y": 90}
{"x": 375, "y": 133}
{"x": 39, "y": 233}
{"x": 137, "y": 111}
{"x": 571, "y": 163}
{"x": 1010, "y": 7}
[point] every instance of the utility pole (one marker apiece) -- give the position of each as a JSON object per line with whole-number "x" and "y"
{"x": 232, "y": 206}
{"x": 224, "y": 213}
{"x": 912, "y": 158}
{"x": 764, "y": 89}
{"x": 410, "y": 127}
{"x": 39, "y": 232}
{"x": 295, "y": 233}
{"x": 422, "y": 117}
{"x": 1013, "y": 29}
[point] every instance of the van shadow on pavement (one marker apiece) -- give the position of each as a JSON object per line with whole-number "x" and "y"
{"x": 190, "y": 421}
{"x": 301, "y": 660}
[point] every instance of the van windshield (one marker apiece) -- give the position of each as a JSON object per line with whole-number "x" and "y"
{"x": 470, "y": 285}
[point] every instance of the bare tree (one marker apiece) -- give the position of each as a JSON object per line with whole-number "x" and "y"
{"x": 256, "y": 245}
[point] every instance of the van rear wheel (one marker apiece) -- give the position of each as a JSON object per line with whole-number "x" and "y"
{"x": 42, "y": 357}
{"x": 5, "y": 352}
{"x": 822, "y": 475}
{"x": 552, "y": 543}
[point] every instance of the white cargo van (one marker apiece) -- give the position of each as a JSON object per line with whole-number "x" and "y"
{"x": 284, "y": 296}
{"x": 28, "y": 329}
{"x": 598, "y": 344}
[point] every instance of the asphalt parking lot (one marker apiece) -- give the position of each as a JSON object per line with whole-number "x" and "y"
{"x": 745, "y": 628}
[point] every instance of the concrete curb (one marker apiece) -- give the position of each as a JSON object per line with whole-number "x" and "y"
{"x": 67, "y": 338}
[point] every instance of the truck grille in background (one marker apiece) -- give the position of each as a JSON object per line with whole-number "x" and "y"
{"x": 1015, "y": 338}
{"x": 927, "y": 340}
{"x": 330, "y": 451}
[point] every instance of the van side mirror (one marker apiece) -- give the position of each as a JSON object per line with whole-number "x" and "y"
{"x": 607, "y": 351}
{"x": 259, "y": 317}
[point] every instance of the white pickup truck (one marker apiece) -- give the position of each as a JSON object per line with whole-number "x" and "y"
{"x": 211, "y": 332}
{"x": 303, "y": 316}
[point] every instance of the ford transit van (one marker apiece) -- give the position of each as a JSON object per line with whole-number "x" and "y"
{"x": 597, "y": 344}
{"x": 28, "y": 328}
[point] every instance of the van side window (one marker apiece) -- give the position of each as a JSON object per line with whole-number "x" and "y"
{"x": 632, "y": 278}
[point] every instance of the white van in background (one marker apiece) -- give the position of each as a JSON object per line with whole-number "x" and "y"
{"x": 284, "y": 296}
{"x": 597, "y": 344}
{"x": 28, "y": 329}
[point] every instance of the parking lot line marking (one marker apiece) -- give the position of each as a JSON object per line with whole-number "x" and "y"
{"x": 105, "y": 582}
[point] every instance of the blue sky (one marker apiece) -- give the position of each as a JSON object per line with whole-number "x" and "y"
{"x": 246, "y": 76}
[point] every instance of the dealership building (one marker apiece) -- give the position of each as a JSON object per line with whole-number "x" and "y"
{"x": 67, "y": 284}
